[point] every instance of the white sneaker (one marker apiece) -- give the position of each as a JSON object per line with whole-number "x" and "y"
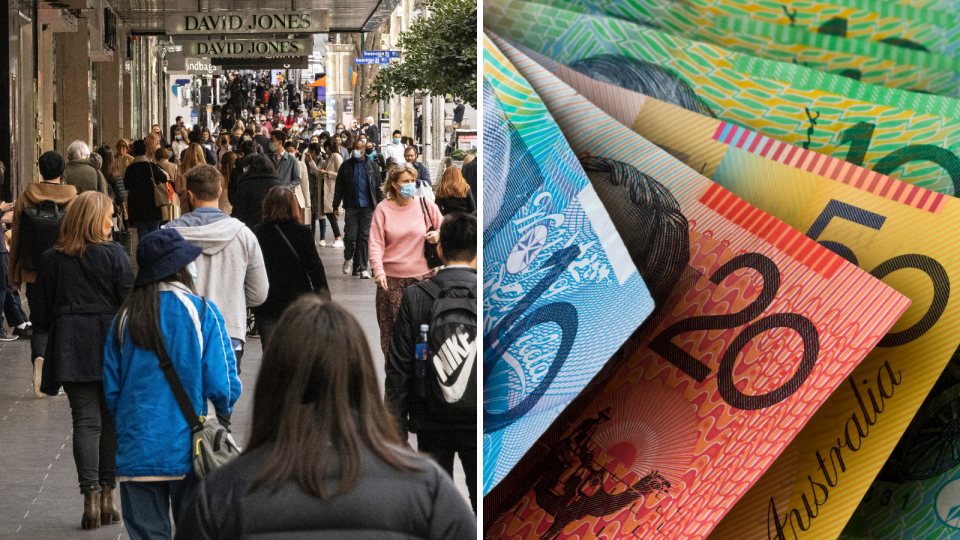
{"x": 322, "y": 243}
{"x": 365, "y": 274}
{"x": 338, "y": 243}
{"x": 347, "y": 266}
{"x": 37, "y": 372}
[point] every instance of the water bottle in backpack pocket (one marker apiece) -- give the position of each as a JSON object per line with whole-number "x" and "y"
{"x": 451, "y": 388}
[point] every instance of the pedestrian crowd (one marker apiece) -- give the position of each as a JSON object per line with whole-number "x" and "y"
{"x": 228, "y": 250}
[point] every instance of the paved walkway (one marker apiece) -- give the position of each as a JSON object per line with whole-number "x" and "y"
{"x": 39, "y": 494}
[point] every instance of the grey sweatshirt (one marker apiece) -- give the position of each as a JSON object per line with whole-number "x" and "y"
{"x": 230, "y": 272}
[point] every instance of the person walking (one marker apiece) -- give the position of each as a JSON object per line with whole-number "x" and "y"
{"x": 231, "y": 272}
{"x": 424, "y": 183}
{"x": 286, "y": 165}
{"x": 469, "y": 173}
{"x": 175, "y": 188}
{"x": 140, "y": 180}
{"x": 400, "y": 225}
{"x": 227, "y": 163}
{"x": 83, "y": 281}
{"x": 79, "y": 173}
{"x": 114, "y": 180}
{"x": 445, "y": 417}
{"x": 163, "y": 316}
{"x": 358, "y": 188}
{"x": 252, "y": 188}
{"x": 293, "y": 266}
{"x": 24, "y": 256}
{"x": 458, "y": 114}
{"x": 9, "y": 297}
{"x": 328, "y": 181}
{"x": 179, "y": 143}
{"x": 372, "y": 132}
{"x": 323, "y": 450}
{"x": 453, "y": 193}
{"x": 394, "y": 149}
{"x": 124, "y": 159}
{"x": 302, "y": 189}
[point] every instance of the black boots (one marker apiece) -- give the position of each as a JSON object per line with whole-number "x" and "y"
{"x": 91, "y": 510}
{"x": 108, "y": 508}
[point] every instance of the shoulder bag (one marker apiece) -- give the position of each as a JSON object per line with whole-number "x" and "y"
{"x": 429, "y": 250}
{"x": 160, "y": 194}
{"x": 211, "y": 445}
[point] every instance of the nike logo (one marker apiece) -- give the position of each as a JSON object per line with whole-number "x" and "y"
{"x": 456, "y": 357}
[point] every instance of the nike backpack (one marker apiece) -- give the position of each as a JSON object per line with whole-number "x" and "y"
{"x": 39, "y": 230}
{"x": 452, "y": 358}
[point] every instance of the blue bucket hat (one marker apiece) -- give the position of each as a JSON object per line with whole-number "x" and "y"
{"x": 162, "y": 253}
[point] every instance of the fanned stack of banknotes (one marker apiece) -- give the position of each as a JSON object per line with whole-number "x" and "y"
{"x": 719, "y": 253}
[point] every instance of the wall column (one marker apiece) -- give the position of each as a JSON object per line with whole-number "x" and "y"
{"x": 111, "y": 102}
{"x": 46, "y": 91}
{"x": 73, "y": 87}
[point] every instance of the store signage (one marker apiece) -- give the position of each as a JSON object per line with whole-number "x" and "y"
{"x": 372, "y": 60}
{"x": 299, "y": 22}
{"x": 201, "y": 66}
{"x": 381, "y": 54}
{"x": 249, "y": 48}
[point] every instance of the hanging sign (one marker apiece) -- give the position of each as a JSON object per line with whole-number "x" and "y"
{"x": 299, "y": 22}
{"x": 249, "y": 48}
{"x": 372, "y": 60}
{"x": 381, "y": 54}
{"x": 201, "y": 66}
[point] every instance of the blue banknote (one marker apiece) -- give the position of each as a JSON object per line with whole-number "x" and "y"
{"x": 561, "y": 293}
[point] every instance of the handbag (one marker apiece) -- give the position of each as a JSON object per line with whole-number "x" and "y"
{"x": 160, "y": 195}
{"x": 211, "y": 445}
{"x": 297, "y": 256}
{"x": 430, "y": 250}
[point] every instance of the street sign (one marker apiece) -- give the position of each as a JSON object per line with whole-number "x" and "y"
{"x": 297, "y": 22}
{"x": 372, "y": 60}
{"x": 381, "y": 54}
{"x": 248, "y": 48}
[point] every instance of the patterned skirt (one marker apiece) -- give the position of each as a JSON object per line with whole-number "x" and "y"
{"x": 388, "y": 305}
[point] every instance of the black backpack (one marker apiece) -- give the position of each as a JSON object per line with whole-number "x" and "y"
{"x": 39, "y": 230}
{"x": 452, "y": 360}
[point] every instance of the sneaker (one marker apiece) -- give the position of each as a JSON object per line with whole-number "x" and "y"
{"x": 347, "y": 266}
{"x": 25, "y": 332}
{"x": 365, "y": 274}
{"x": 254, "y": 332}
{"x": 37, "y": 372}
{"x": 322, "y": 243}
{"x": 338, "y": 244}
{"x": 4, "y": 336}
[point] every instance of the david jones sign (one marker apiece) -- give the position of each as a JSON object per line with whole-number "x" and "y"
{"x": 253, "y": 23}
{"x": 240, "y": 48}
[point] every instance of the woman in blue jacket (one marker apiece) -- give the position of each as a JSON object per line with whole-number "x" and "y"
{"x": 154, "y": 464}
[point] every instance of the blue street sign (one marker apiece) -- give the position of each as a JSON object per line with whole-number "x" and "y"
{"x": 372, "y": 60}
{"x": 381, "y": 54}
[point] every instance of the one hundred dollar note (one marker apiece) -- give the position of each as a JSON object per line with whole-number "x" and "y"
{"x": 561, "y": 292}
{"x": 906, "y": 135}
{"x": 764, "y": 325}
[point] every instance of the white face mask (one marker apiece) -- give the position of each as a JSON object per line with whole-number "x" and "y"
{"x": 192, "y": 268}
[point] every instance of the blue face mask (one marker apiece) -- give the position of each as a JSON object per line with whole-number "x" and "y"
{"x": 396, "y": 141}
{"x": 408, "y": 190}
{"x": 372, "y": 154}
{"x": 357, "y": 154}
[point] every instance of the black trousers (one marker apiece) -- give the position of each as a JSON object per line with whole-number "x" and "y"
{"x": 356, "y": 237}
{"x": 94, "y": 435}
{"x": 38, "y": 343}
{"x": 442, "y": 445}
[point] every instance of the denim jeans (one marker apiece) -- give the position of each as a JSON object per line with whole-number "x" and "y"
{"x": 146, "y": 506}
{"x": 334, "y": 226}
{"x": 442, "y": 445}
{"x": 94, "y": 435}
{"x": 356, "y": 237}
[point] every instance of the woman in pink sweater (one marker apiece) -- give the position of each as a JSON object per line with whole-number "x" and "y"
{"x": 399, "y": 228}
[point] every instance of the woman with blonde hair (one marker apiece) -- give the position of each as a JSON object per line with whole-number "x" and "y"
{"x": 123, "y": 157}
{"x": 174, "y": 188}
{"x": 400, "y": 224}
{"x": 227, "y": 163}
{"x": 453, "y": 193}
{"x": 87, "y": 271}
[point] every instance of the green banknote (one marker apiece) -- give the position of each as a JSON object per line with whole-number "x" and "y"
{"x": 910, "y": 136}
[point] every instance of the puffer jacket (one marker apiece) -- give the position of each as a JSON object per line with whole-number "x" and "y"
{"x": 385, "y": 504}
{"x": 153, "y": 437}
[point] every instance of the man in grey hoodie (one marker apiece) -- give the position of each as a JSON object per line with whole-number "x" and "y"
{"x": 230, "y": 272}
